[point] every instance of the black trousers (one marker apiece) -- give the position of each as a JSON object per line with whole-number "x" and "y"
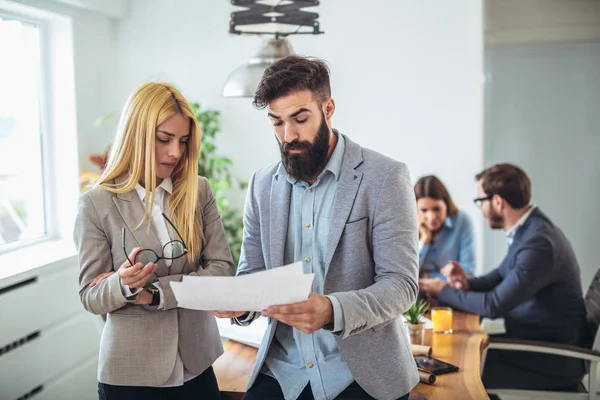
{"x": 267, "y": 388}
{"x": 202, "y": 387}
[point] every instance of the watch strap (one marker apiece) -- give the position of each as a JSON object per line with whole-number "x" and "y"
{"x": 153, "y": 290}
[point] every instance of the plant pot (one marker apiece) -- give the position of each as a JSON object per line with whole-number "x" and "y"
{"x": 416, "y": 333}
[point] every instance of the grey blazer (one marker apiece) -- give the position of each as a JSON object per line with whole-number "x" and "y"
{"x": 371, "y": 262}
{"x": 139, "y": 344}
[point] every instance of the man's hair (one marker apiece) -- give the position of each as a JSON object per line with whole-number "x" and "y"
{"x": 291, "y": 74}
{"x": 507, "y": 181}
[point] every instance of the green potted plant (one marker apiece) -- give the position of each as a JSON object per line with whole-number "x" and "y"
{"x": 216, "y": 169}
{"x": 416, "y": 327}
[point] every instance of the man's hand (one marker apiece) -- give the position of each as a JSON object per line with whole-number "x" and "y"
{"x": 455, "y": 275}
{"x": 143, "y": 298}
{"x": 228, "y": 314}
{"x": 135, "y": 276}
{"x": 432, "y": 287}
{"x": 308, "y": 316}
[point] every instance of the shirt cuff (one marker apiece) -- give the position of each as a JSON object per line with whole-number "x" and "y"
{"x": 338, "y": 314}
{"x": 244, "y": 320}
{"x": 161, "y": 305}
{"x": 126, "y": 290}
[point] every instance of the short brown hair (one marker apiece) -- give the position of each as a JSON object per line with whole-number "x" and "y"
{"x": 507, "y": 181}
{"x": 291, "y": 74}
{"x": 431, "y": 186}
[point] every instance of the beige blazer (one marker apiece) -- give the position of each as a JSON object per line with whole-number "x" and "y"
{"x": 139, "y": 344}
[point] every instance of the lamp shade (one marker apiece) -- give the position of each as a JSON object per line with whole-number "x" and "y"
{"x": 243, "y": 81}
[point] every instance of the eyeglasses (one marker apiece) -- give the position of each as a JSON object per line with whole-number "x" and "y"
{"x": 170, "y": 251}
{"x": 480, "y": 200}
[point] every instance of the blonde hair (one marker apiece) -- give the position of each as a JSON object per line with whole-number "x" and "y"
{"x": 150, "y": 105}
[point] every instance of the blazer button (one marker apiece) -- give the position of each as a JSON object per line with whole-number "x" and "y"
{"x": 310, "y": 365}
{"x": 307, "y": 260}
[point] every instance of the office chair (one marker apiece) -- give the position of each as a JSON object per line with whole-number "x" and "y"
{"x": 592, "y": 305}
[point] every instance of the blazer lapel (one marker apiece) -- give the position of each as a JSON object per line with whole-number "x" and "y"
{"x": 131, "y": 209}
{"x": 345, "y": 195}
{"x": 177, "y": 265}
{"x": 279, "y": 212}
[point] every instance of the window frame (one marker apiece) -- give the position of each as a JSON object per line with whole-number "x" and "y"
{"x": 59, "y": 206}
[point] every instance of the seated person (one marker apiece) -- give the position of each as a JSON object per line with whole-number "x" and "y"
{"x": 536, "y": 288}
{"x": 445, "y": 233}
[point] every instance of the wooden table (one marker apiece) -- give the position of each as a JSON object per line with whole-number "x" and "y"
{"x": 461, "y": 348}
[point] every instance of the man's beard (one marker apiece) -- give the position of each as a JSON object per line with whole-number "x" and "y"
{"x": 307, "y": 165}
{"x": 495, "y": 220}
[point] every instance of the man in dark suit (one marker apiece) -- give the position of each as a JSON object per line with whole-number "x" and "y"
{"x": 536, "y": 288}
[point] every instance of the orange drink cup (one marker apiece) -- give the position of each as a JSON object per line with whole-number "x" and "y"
{"x": 442, "y": 319}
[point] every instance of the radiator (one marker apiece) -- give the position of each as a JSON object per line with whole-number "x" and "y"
{"x": 48, "y": 343}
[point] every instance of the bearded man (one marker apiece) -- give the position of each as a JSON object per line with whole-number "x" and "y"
{"x": 536, "y": 288}
{"x": 349, "y": 214}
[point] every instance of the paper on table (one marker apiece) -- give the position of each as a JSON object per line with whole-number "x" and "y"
{"x": 253, "y": 292}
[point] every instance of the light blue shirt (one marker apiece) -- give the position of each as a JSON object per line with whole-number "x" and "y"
{"x": 454, "y": 242}
{"x": 295, "y": 358}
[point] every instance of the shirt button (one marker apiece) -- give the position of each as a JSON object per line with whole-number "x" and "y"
{"x": 307, "y": 225}
{"x": 309, "y": 190}
{"x": 310, "y": 365}
{"x": 307, "y": 259}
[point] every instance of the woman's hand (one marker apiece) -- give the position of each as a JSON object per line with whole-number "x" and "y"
{"x": 425, "y": 235}
{"x": 100, "y": 278}
{"x": 143, "y": 298}
{"x": 135, "y": 276}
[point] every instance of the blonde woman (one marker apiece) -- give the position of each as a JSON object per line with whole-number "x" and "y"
{"x": 149, "y": 221}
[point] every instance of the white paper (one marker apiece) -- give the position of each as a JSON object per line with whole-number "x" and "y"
{"x": 252, "y": 292}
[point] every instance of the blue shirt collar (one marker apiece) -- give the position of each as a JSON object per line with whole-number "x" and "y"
{"x": 448, "y": 223}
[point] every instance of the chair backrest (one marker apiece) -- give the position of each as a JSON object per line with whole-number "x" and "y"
{"x": 592, "y": 306}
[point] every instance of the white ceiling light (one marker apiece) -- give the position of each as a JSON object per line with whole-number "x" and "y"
{"x": 243, "y": 81}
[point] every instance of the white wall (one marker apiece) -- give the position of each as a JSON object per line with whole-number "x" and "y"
{"x": 541, "y": 113}
{"x": 407, "y": 78}
{"x": 542, "y": 83}
{"x": 94, "y": 49}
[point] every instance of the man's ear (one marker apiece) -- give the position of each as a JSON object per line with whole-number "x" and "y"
{"x": 498, "y": 202}
{"x": 328, "y": 108}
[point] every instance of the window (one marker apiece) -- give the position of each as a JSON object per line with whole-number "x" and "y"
{"x": 22, "y": 200}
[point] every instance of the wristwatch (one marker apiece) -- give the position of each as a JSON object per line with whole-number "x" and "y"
{"x": 153, "y": 290}
{"x": 133, "y": 296}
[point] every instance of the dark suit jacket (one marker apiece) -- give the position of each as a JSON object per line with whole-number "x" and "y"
{"x": 537, "y": 290}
